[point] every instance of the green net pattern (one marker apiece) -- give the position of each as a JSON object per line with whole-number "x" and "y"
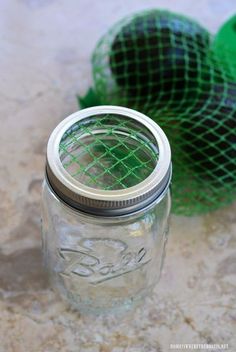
{"x": 108, "y": 152}
{"x": 165, "y": 65}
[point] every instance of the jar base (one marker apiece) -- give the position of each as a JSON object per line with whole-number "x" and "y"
{"x": 116, "y": 308}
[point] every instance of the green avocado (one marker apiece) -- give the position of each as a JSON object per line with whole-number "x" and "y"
{"x": 156, "y": 58}
{"x": 209, "y": 134}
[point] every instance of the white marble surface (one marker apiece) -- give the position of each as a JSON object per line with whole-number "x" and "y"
{"x": 45, "y": 48}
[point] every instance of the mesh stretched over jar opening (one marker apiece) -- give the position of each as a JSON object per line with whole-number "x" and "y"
{"x": 108, "y": 160}
{"x": 108, "y": 152}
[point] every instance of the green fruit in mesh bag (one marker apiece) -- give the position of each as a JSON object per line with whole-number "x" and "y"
{"x": 156, "y": 57}
{"x": 209, "y": 136}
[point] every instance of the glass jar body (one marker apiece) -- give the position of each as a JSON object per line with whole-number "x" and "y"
{"x": 102, "y": 264}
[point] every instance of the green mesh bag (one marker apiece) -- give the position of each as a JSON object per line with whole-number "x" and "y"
{"x": 166, "y": 66}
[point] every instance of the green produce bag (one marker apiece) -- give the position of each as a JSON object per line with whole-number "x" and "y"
{"x": 169, "y": 67}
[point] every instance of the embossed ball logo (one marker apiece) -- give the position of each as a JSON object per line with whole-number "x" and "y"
{"x": 99, "y": 260}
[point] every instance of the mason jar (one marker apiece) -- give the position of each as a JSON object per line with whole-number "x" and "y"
{"x": 106, "y": 204}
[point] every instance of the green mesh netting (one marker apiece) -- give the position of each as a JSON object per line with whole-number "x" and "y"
{"x": 165, "y": 65}
{"x": 108, "y": 152}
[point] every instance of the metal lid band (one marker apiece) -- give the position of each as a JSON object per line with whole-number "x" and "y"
{"x": 108, "y": 202}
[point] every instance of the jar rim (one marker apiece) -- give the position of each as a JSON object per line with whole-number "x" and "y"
{"x": 108, "y": 202}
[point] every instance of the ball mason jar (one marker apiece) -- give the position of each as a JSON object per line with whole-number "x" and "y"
{"x": 106, "y": 203}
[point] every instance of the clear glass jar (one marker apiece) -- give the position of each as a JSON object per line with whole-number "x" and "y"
{"x": 106, "y": 204}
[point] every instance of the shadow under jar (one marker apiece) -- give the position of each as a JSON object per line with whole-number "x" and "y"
{"x": 106, "y": 203}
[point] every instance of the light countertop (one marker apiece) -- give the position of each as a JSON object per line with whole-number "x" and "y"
{"x": 45, "y": 49}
